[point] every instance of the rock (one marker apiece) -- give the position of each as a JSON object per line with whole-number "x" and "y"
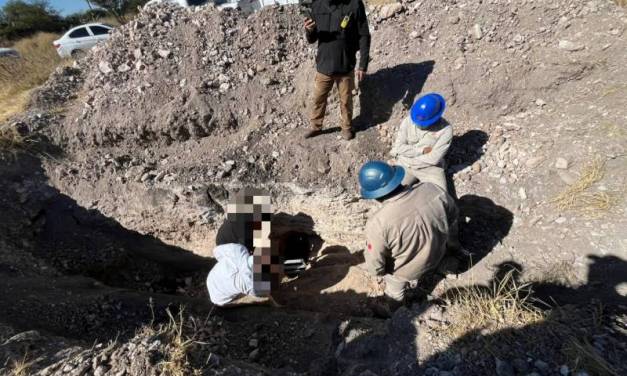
{"x": 453, "y": 20}
{"x": 570, "y": 46}
{"x": 520, "y": 366}
{"x": 503, "y": 368}
{"x": 164, "y": 53}
{"x": 522, "y": 193}
{"x": 564, "y": 370}
{"x": 124, "y": 68}
{"x": 540, "y": 102}
{"x": 567, "y": 177}
{"x": 476, "y": 31}
{"x": 459, "y": 63}
{"x": 539, "y": 364}
{"x": 534, "y": 162}
{"x": 254, "y": 342}
{"x": 559, "y": 221}
{"x": 254, "y": 355}
{"x": 561, "y": 163}
{"x": 413, "y": 34}
{"x": 582, "y": 373}
{"x": 390, "y": 10}
{"x": 476, "y": 167}
{"x": 368, "y": 373}
{"x": 105, "y": 67}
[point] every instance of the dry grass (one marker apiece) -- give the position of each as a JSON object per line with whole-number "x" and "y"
{"x": 179, "y": 345}
{"x": 18, "y": 76}
{"x": 504, "y": 304}
{"x": 622, "y": 3}
{"x": 21, "y": 367}
{"x": 577, "y": 196}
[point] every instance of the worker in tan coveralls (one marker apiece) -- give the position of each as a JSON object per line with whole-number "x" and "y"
{"x": 422, "y": 142}
{"x": 410, "y": 234}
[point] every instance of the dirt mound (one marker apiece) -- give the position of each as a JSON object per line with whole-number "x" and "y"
{"x": 148, "y": 136}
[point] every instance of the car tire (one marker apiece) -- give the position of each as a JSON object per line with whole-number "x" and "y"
{"x": 78, "y": 54}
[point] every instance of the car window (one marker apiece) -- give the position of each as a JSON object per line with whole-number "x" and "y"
{"x": 79, "y": 33}
{"x": 99, "y": 30}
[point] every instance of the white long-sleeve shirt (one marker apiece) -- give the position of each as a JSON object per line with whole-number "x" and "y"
{"x": 411, "y": 141}
{"x": 232, "y": 276}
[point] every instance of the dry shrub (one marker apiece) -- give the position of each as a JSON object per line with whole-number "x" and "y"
{"x": 577, "y": 197}
{"x": 37, "y": 60}
{"x": 178, "y": 347}
{"x": 20, "y": 367}
{"x": 504, "y": 304}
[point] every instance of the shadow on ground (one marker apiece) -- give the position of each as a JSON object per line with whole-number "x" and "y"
{"x": 380, "y": 91}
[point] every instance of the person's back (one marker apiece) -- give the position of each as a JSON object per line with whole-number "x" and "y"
{"x": 413, "y": 228}
{"x": 232, "y": 276}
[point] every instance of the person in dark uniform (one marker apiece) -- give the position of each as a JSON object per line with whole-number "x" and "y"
{"x": 341, "y": 29}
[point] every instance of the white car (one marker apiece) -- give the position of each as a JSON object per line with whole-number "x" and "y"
{"x": 9, "y": 52}
{"x": 76, "y": 42}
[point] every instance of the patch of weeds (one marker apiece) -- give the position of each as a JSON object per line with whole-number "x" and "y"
{"x": 561, "y": 273}
{"x": 577, "y": 196}
{"x": 20, "y": 367}
{"x": 504, "y": 304}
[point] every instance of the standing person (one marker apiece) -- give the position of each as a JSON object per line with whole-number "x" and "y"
{"x": 410, "y": 234}
{"x": 341, "y": 29}
{"x": 422, "y": 142}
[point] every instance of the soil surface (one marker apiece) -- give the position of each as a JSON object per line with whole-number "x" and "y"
{"x": 110, "y": 211}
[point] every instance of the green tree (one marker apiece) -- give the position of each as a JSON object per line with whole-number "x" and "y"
{"x": 20, "y": 18}
{"x": 119, "y": 8}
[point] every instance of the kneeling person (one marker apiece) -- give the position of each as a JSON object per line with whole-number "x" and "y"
{"x": 410, "y": 233}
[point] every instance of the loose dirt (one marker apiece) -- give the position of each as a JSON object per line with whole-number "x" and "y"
{"x": 110, "y": 211}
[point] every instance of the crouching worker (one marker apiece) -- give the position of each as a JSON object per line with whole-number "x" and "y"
{"x": 422, "y": 141}
{"x": 248, "y": 266}
{"x": 409, "y": 235}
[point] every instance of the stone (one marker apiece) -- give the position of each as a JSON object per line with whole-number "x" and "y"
{"x": 390, "y": 10}
{"x": 413, "y": 34}
{"x": 540, "y": 102}
{"x": 561, "y": 163}
{"x": 520, "y": 366}
{"x": 254, "y": 355}
{"x": 477, "y": 32}
{"x": 476, "y": 167}
{"x": 570, "y": 46}
{"x": 582, "y": 373}
{"x": 534, "y": 162}
{"x": 567, "y": 177}
{"x": 564, "y": 370}
{"x": 503, "y": 368}
{"x": 539, "y": 364}
{"x": 124, "y": 68}
{"x": 453, "y": 20}
{"x": 105, "y": 67}
{"x": 522, "y": 193}
{"x": 164, "y": 53}
{"x": 254, "y": 342}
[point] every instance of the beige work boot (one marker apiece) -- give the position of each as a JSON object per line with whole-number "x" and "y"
{"x": 348, "y": 134}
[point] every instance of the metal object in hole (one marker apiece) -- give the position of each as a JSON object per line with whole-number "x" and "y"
{"x": 294, "y": 266}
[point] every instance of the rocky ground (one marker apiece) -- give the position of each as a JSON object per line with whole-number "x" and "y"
{"x": 111, "y": 205}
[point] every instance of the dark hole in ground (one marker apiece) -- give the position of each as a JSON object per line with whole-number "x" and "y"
{"x": 296, "y": 248}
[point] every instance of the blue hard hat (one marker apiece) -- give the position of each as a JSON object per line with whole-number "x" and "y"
{"x": 378, "y": 178}
{"x": 428, "y": 109}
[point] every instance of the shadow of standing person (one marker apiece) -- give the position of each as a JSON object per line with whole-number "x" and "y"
{"x": 380, "y": 91}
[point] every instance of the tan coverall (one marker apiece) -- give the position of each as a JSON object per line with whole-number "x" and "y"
{"x": 323, "y": 85}
{"x": 409, "y": 235}
{"x": 409, "y": 151}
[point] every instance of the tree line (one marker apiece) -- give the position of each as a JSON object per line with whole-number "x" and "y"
{"x": 21, "y": 18}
